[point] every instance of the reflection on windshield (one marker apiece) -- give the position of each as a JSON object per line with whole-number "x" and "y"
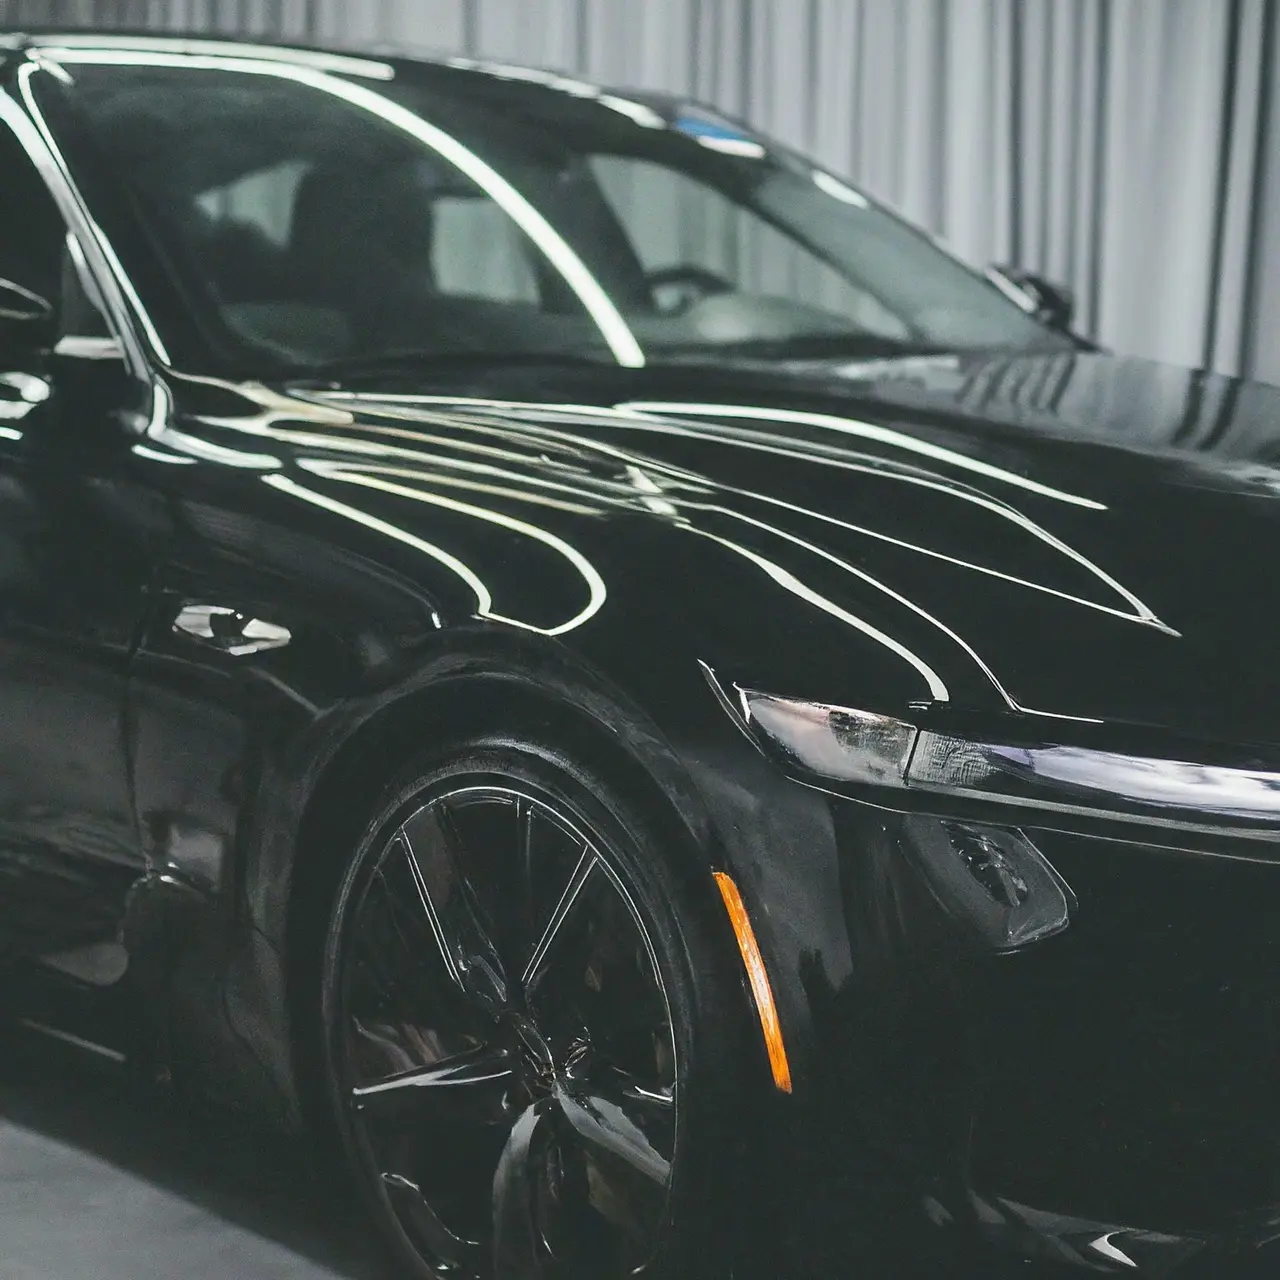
{"x": 320, "y": 218}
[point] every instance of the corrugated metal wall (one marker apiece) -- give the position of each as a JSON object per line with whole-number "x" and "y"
{"x": 1127, "y": 147}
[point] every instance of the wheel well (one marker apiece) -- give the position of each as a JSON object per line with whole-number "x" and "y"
{"x": 632, "y": 756}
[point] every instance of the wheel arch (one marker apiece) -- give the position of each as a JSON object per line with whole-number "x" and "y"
{"x": 491, "y": 686}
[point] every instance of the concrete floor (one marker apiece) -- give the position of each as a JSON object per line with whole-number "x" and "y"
{"x": 101, "y": 1179}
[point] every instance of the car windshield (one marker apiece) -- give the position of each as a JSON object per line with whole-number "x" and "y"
{"x": 321, "y": 219}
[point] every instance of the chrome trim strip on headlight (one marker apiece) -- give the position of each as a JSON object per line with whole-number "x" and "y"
{"x": 1091, "y": 779}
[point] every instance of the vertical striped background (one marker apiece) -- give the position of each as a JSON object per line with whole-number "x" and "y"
{"x": 1130, "y": 148}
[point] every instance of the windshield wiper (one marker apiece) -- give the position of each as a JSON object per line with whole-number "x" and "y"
{"x": 436, "y": 362}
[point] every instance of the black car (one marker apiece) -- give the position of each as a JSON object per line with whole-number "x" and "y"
{"x": 551, "y": 640}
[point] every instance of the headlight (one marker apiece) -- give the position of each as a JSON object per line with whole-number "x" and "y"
{"x": 993, "y": 879}
{"x": 858, "y": 747}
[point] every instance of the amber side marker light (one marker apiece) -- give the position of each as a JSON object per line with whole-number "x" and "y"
{"x": 758, "y": 978}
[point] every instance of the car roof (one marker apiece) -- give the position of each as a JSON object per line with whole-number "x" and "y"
{"x": 381, "y": 60}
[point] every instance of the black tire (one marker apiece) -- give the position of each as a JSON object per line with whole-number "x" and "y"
{"x": 614, "y": 1160}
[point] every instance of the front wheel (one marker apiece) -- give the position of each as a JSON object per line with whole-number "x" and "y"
{"x": 530, "y": 1026}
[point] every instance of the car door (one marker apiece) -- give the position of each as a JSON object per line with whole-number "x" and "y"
{"x": 76, "y": 546}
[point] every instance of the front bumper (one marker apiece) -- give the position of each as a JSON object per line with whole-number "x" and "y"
{"x": 1103, "y": 1100}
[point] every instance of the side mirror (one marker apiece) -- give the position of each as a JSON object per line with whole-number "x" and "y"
{"x": 27, "y": 321}
{"x": 1055, "y": 304}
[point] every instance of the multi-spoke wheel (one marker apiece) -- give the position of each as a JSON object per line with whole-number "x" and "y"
{"x": 507, "y": 1000}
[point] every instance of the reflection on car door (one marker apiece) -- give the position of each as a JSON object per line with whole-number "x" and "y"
{"x": 75, "y": 551}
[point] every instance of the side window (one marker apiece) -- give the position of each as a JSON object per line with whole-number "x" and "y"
{"x": 34, "y": 245}
{"x": 478, "y": 252}
{"x": 32, "y": 232}
{"x": 262, "y": 200}
{"x": 674, "y": 220}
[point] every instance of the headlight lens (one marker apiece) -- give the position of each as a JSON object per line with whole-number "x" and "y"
{"x": 836, "y": 742}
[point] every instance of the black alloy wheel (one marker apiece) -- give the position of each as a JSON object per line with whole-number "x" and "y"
{"x": 509, "y": 997}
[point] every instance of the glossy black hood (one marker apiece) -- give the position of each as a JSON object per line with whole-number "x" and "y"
{"x": 1077, "y": 538}
{"x": 1160, "y": 481}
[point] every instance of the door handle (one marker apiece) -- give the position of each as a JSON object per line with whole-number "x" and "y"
{"x": 229, "y": 630}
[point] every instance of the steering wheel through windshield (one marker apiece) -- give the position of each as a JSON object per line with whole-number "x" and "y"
{"x": 675, "y": 289}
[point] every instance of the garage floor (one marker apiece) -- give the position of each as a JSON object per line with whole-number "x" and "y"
{"x": 101, "y": 1179}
